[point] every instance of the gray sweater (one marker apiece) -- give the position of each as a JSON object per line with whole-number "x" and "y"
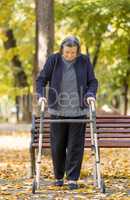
{"x": 68, "y": 99}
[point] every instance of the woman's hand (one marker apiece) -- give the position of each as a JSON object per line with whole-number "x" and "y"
{"x": 89, "y": 99}
{"x": 42, "y": 99}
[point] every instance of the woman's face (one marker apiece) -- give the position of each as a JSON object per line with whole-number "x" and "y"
{"x": 69, "y": 53}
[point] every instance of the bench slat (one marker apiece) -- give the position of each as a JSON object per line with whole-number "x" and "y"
{"x": 112, "y": 121}
{"x": 99, "y": 121}
{"x": 113, "y": 116}
{"x": 101, "y": 143}
{"x": 113, "y": 126}
{"x": 99, "y": 130}
{"x": 89, "y": 136}
{"x": 103, "y": 126}
{"x": 98, "y": 117}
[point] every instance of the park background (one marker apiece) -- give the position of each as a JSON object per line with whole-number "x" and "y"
{"x": 29, "y": 32}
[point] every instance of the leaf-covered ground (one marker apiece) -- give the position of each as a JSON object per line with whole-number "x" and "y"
{"x": 15, "y": 183}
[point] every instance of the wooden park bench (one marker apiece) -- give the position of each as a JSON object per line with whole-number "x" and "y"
{"x": 113, "y": 132}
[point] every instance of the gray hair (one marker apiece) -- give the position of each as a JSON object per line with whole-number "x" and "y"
{"x": 70, "y": 41}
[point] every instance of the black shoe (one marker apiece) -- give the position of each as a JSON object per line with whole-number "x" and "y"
{"x": 59, "y": 182}
{"x": 73, "y": 186}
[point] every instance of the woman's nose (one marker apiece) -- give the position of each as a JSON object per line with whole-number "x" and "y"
{"x": 70, "y": 55}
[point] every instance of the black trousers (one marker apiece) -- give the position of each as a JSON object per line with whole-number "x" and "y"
{"x": 67, "y": 147}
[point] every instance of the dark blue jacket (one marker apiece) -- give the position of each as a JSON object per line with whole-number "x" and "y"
{"x": 52, "y": 72}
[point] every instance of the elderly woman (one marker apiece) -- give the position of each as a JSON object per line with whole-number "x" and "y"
{"x": 72, "y": 84}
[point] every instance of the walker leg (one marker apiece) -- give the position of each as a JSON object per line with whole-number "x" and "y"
{"x": 95, "y": 150}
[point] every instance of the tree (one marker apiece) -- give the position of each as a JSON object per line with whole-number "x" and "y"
{"x": 44, "y": 33}
{"x": 44, "y": 36}
{"x": 16, "y": 59}
{"x": 103, "y": 27}
{"x": 20, "y": 78}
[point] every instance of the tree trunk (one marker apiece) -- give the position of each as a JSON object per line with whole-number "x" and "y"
{"x": 96, "y": 54}
{"x": 126, "y": 85}
{"x": 44, "y": 37}
{"x": 27, "y": 107}
{"x": 125, "y": 95}
{"x": 97, "y": 50}
{"x": 20, "y": 78}
{"x": 17, "y": 104}
{"x": 45, "y": 25}
{"x": 116, "y": 101}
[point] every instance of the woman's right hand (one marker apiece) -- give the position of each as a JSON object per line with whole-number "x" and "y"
{"x": 42, "y": 99}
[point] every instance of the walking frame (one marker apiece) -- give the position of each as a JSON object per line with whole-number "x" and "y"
{"x": 98, "y": 180}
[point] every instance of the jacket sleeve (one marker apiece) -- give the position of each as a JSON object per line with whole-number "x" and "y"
{"x": 92, "y": 83}
{"x": 44, "y": 76}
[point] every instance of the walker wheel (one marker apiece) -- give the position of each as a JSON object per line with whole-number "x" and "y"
{"x": 103, "y": 187}
{"x": 34, "y": 186}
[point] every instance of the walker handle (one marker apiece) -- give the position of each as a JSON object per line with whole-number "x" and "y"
{"x": 92, "y": 104}
{"x": 42, "y": 106}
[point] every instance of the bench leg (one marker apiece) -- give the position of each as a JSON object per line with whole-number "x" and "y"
{"x": 32, "y": 162}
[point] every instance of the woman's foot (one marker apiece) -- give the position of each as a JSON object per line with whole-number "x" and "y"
{"x": 72, "y": 185}
{"x": 59, "y": 182}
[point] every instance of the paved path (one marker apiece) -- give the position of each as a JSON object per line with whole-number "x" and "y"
{"x": 15, "y": 127}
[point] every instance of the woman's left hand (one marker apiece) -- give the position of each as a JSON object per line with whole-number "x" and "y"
{"x": 89, "y": 99}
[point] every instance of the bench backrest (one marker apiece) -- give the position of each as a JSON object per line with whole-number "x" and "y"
{"x": 113, "y": 132}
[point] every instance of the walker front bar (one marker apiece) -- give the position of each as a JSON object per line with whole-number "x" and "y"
{"x": 95, "y": 149}
{"x": 66, "y": 120}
